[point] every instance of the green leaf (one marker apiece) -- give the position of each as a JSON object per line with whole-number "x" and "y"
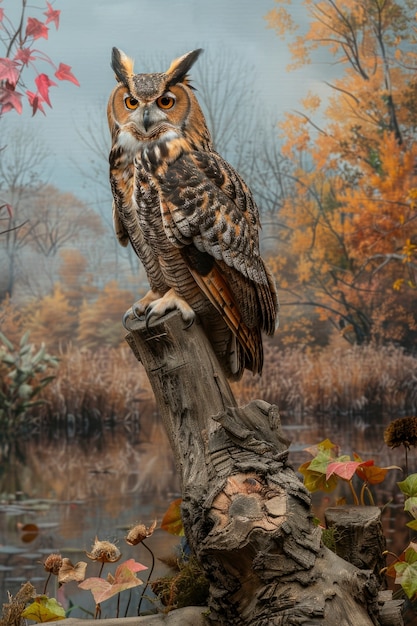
{"x": 409, "y": 485}
{"x": 24, "y": 339}
{"x": 6, "y": 342}
{"x": 412, "y": 524}
{"x": 316, "y": 481}
{"x": 44, "y": 609}
{"x": 322, "y": 460}
{"x": 407, "y": 572}
{"x": 410, "y": 505}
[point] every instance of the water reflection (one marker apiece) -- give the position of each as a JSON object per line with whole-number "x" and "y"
{"x": 75, "y": 487}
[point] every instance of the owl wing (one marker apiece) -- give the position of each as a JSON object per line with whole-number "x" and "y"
{"x": 119, "y": 229}
{"x": 205, "y": 204}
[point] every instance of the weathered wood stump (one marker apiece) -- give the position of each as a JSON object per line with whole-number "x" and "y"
{"x": 247, "y": 516}
{"x": 359, "y": 536}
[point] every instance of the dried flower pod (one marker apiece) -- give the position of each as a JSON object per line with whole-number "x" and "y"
{"x": 401, "y": 432}
{"x": 139, "y": 532}
{"x": 104, "y": 552}
{"x": 53, "y": 564}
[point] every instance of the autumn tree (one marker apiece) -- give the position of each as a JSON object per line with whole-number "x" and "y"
{"x": 350, "y": 243}
{"x": 19, "y": 53}
{"x": 43, "y": 221}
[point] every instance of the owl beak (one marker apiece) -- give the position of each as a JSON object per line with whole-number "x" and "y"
{"x": 146, "y": 120}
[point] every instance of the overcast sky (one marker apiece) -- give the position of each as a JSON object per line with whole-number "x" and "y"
{"x": 152, "y": 29}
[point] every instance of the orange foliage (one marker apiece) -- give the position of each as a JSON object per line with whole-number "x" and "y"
{"x": 352, "y": 218}
{"x": 76, "y": 284}
{"x": 51, "y": 320}
{"x": 100, "y": 322}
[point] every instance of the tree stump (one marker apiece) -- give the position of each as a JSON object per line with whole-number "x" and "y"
{"x": 247, "y": 516}
{"x": 359, "y": 536}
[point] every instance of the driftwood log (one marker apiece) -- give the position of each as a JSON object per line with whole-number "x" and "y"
{"x": 247, "y": 516}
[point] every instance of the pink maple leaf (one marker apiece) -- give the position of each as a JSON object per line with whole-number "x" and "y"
{"x": 35, "y": 101}
{"x": 24, "y": 56}
{"x": 43, "y": 82}
{"x": 10, "y": 99}
{"x": 125, "y": 578}
{"x": 64, "y": 73}
{"x": 36, "y": 29}
{"x": 52, "y": 15}
{"x": 9, "y": 71}
{"x": 1, "y": 14}
{"x": 344, "y": 469}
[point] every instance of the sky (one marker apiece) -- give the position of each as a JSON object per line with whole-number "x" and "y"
{"x": 150, "y": 29}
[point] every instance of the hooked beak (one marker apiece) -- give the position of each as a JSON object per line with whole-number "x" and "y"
{"x": 146, "y": 120}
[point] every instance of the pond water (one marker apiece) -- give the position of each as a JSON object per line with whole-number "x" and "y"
{"x": 81, "y": 483}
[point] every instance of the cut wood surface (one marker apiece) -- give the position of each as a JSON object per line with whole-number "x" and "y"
{"x": 246, "y": 514}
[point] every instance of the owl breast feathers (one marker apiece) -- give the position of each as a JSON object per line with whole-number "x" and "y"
{"x": 188, "y": 215}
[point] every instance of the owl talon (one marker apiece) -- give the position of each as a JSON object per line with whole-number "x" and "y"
{"x": 190, "y": 323}
{"x": 169, "y": 302}
{"x": 126, "y": 317}
{"x": 137, "y": 313}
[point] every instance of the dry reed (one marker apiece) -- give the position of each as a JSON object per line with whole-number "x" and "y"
{"x": 109, "y": 384}
{"x": 340, "y": 381}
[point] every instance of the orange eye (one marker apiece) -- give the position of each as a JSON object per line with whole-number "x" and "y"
{"x": 165, "y": 101}
{"x": 131, "y": 103}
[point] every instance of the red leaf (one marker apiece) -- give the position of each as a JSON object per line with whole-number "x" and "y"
{"x": 9, "y": 71}
{"x": 35, "y": 102}
{"x": 43, "y": 82}
{"x": 1, "y": 14}
{"x": 24, "y": 55}
{"x": 344, "y": 469}
{"x": 52, "y": 15}
{"x": 36, "y": 29}
{"x": 64, "y": 73}
{"x": 10, "y": 99}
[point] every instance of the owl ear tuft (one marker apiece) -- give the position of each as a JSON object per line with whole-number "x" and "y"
{"x": 122, "y": 66}
{"x": 178, "y": 69}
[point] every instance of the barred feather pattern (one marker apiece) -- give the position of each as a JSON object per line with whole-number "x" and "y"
{"x": 187, "y": 213}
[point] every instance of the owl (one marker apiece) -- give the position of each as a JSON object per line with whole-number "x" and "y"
{"x": 188, "y": 215}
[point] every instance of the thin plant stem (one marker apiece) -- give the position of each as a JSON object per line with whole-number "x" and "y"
{"x": 46, "y": 583}
{"x": 365, "y": 489}
{"x": 355, "y": 497}
{"x": 128, "y": 604}
{"x": 118, "y": 604}
{"x": 406, "y": 460}
{"x": 149, "y": 575}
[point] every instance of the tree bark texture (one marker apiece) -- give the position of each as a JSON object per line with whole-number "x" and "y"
{"x": 246, "y": 515}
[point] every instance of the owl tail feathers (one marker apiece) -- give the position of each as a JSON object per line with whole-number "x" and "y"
{"x": 245, "y": 351}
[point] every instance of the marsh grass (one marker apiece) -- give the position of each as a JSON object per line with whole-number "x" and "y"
{"x": 337, "y": 380}
{"x": 106, "y": 384}
{"x": 109, "y": 385}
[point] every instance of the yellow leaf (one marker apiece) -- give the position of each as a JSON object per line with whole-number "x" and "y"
{"x": 44, "y": 609}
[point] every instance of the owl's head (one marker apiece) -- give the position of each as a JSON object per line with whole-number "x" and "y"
{"x": 158, "y": 107}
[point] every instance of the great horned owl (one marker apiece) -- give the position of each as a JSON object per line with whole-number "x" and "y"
{"x": 187, "y": 213}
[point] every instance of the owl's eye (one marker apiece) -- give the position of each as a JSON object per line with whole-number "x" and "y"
{"x": 166, "y": 101}
{"x": 131, "y": 103}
